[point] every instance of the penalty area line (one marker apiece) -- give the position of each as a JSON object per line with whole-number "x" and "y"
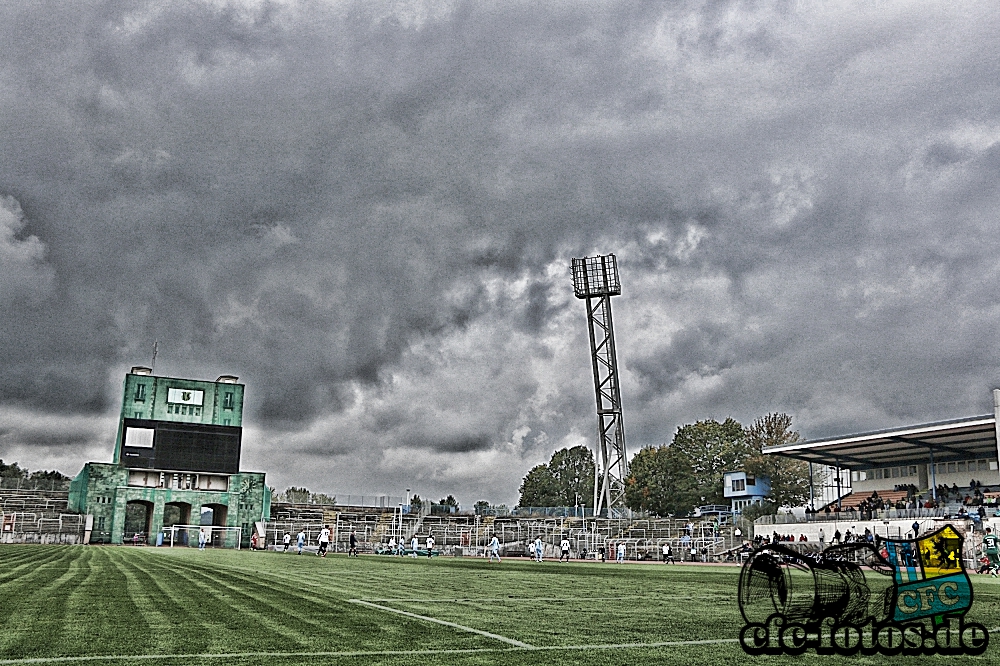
{"x": 453, "y": 625}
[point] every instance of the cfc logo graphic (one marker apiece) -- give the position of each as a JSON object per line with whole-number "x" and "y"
{"x": 913, "y": 602}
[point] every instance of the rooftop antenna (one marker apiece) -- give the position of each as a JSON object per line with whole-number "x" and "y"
{"x": 595, "y": 279}
{"x": 152, "y": 365}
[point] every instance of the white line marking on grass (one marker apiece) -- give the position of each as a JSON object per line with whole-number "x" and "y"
{"x": 427, "y": 618}
{"x": 377, "y": 653}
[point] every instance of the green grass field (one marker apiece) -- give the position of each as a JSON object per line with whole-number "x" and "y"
{"x": 120, "y": 605}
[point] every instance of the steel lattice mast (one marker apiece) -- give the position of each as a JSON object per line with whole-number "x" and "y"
{"x": 595, "y": 279}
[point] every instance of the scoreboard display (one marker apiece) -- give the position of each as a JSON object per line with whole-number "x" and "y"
{"x": 182, "y": 447}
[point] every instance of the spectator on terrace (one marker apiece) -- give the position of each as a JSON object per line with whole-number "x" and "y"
{"x": 836, "y": 536}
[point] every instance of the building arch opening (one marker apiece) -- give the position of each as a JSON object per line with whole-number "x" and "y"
{"x": 138, "y": 522}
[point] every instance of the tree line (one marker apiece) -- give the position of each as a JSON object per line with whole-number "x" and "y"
{"x": 675, "y": 478}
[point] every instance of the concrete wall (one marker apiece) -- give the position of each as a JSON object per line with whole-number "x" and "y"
{"x": 102, "y": 489}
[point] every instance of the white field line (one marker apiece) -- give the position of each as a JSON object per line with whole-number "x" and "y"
{"x": 427, "y": 618}
{"x": 372, "y": 653}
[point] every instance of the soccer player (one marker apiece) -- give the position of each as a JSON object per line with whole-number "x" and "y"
{"x": 300, "y": 541}
{"x": 324, "y": 541}
{"x": 564, "y": 547}
{"x": 668, "y": 554}
{"x": 413, "y": 546}
{"x": 392, "y": 545}
{"x": 354, "y": 544}
{"x": 287, "y": 540}
{"x": 430, "y": 545}
{"x": 991, "y": 545}
{"x": 495, "y": 549}
{"x": 621, "y": 553}
{"x": 538, "y": 549}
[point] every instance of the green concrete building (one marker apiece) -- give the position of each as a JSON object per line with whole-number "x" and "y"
{"x": 175, "y": 469}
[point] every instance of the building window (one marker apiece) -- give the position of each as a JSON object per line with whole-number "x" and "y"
{"x": 140, "y": 393}
{"x": 739, "y": 485}
{"x": 227, "y": 401}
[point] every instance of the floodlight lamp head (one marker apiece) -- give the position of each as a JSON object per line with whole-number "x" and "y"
{"x": 596, "y": 276}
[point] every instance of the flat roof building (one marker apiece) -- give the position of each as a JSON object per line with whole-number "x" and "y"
{"x": 928, "y": 455}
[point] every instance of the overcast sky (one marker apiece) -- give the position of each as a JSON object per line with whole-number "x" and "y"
{"x": 367, "y": 212}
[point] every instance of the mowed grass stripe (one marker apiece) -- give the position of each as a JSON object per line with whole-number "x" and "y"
{"x": 193, "y": 627}
{"x": 607, "y": 614}
{"x": 356, "y": 653}
{"x": 264, "y": 623}
{"x": 340, "y": 621}
{"x": 38, "y": 603}
{"x": 553, "y": 618}
{"x": 14, "y": 559}
{"x": 159, "y": 626}
{"x": 42, "y": 563}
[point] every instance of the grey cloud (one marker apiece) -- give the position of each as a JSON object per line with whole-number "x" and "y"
{"x": 366, "y": 211}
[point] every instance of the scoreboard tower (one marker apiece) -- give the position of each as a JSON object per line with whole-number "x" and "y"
{"x": 176, "y": 458}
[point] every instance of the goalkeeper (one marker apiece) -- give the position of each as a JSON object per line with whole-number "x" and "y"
{"x": 991, "y": 547}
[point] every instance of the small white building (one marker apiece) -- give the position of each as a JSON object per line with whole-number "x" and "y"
{"x": 743, "y": 489}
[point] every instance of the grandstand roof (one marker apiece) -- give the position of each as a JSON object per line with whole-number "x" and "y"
{"x": 957, "y": 439}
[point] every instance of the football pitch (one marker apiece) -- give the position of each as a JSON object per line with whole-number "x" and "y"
{"x": 124, "y": 605}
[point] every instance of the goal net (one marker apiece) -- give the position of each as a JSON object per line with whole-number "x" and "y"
{"x": 203, "y": 536}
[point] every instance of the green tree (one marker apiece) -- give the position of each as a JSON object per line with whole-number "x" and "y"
{"x": 789, "y": 477}
{"x": 711, "y": 448}
{"x": 566, "y": 480}
{"x": 46, "y": 475}
{"x": 572, "y": 472}
{"x": 323, "y": 498}
{"x": 481, "y": 507}
{"x": 297, "y": 495}
{"x": 661, "y": 481}
{"x": 450, "y": 501}
{"x": 12, "y": 471}
{"x": 537, "y": 488}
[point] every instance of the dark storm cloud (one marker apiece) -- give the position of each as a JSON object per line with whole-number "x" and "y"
{"x": 367, "y": 210}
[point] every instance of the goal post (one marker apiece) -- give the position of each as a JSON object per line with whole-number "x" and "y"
{"x": 212, "y": 536}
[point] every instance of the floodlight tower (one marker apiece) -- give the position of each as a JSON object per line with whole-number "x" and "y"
{"x": 595, "y": 279}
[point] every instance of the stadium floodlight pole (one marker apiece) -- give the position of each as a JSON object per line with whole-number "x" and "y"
{"x": 595, "y": 279}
